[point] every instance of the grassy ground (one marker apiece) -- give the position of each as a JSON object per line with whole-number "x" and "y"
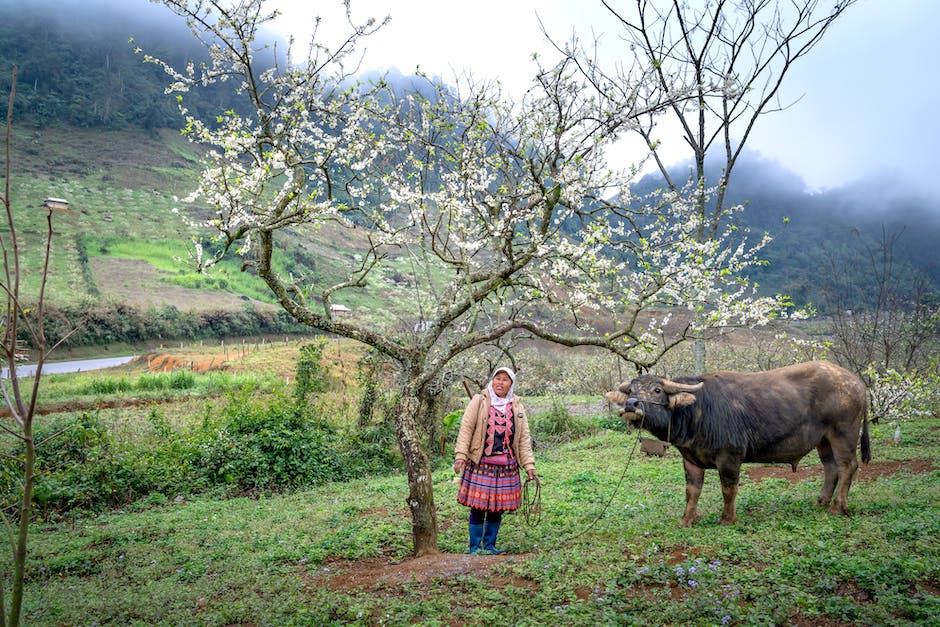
{"x": 605, "y": 551}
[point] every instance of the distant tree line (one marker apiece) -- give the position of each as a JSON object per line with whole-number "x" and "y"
{"x": 121, "y": 323}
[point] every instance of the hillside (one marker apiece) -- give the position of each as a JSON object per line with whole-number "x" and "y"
{"x": 817, "y": 234}
{"x": 93, "y": 126}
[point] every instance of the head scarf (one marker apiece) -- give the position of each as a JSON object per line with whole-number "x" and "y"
{"x": 500, "y": 402}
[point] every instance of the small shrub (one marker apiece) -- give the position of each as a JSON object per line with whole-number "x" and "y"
{"x": 176, "y": 380}
{"x": 451, "y": 424}
{"x": 560, "y": 425}
{"x": 106, "y": 385}
{"x": 311, "y": 375}
{"x": 267, "y": 444}
{"x": 75, "y": 467}
{"x": 612, "y": 422}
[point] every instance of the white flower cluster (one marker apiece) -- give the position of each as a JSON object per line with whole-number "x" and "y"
{"x": 501, "y": 210}
{"x": 897, "y": 397}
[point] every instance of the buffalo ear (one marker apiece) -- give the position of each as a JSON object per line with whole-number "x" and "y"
{"x": 681, "y": 399}
{"x": 617, "y": 398}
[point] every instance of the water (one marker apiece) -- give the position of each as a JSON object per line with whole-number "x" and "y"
{"x": 61, "y": 367}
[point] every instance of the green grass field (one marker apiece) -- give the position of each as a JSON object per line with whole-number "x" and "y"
{"x": 607, "y": 551}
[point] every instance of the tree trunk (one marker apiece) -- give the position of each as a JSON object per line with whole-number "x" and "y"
{"x": 19, "y": 566}
{"x": 420, "y": 485}
{"x": 699, "y": 352}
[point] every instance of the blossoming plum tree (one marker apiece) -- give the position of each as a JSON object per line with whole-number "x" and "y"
{"x": 506, "y": 212}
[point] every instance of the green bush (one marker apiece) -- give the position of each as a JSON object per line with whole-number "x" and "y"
{"x": 199, "y": 282}
{"x": 560, "y": 425}
{"x": 310, "y": 374}
{"x": 176, "y": 380}
{"x": 274, "y": 444}
{"x": 612, "y": 422}
{"x": 267, "y": 444}
{"x": 75, "y": 468}
{"x": 106, "y": 385}
{"x": 254, "y": 443}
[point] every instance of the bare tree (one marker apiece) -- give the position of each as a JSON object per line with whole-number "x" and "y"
{"x": 884, "y": 314}
{"x": 20, "y": 394}
{"x": 724, "y": 62}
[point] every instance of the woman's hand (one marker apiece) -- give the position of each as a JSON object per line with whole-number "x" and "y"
{"x": 458, "y": 466}
{"x": 530, "y": 474}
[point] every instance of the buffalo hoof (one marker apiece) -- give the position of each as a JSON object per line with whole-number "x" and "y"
{"x": 838, "y": 510}
{"x": 688, "y": 522}
{"x": 728, "y": 521}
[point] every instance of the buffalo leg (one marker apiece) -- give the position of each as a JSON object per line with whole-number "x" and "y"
{"x": 831, "y": 470}
{"x": 843, "y": 449}
{"x": 729, "y": 476}
{"x": 694, "y": 479}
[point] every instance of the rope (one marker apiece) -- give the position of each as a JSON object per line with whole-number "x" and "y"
{"x": 623, "y": 475}
{"x": 532, "y": 502}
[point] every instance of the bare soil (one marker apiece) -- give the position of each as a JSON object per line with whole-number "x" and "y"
{"x": 136, "y": 281}
{"x": 866, "y": 472}
{"x": 373, "y": 573}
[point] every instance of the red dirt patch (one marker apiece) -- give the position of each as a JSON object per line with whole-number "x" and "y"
{"x": 169, "y": 363}
{"x": 376, "y": 572}
{"x": 866, "y": 472}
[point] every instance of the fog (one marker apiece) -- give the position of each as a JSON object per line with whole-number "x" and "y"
{"x": 861, "y": 116}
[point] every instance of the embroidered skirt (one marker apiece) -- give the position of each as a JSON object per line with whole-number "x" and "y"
{"x": 491, "y": 487}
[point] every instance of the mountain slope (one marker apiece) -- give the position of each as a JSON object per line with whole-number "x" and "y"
{"x": 90, "y": 126}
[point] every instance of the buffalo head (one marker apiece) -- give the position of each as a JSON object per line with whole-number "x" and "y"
{"x": 636, "y": 397}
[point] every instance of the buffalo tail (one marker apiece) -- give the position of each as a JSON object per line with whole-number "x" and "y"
{"x": 866, "y": 443}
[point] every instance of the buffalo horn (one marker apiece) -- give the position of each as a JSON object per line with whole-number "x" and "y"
{"x": 671, "y": 387}
{"x": 617, "y": 398}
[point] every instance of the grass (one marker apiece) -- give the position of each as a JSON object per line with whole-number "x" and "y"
{"x": 262, "y": 366}
{"x": 270, "y": 560}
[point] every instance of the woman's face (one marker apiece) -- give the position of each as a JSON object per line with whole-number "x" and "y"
{"x": 501, "y": 384}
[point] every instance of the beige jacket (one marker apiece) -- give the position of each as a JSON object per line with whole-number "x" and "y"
{"x": 472, "y": 435}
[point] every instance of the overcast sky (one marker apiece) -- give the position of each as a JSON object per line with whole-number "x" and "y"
{"x": 866, "y": 96}
{"x": 868, "y": 93}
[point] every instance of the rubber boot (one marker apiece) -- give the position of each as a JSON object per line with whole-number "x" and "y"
{"x": 476, "y": 537}
{"x": 490, "y": 532}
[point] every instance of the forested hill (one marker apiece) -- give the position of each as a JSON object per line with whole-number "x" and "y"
{"x": 76, "y": 64}
{"x": 833, "y": 236}
{"x": 77, "y": 69}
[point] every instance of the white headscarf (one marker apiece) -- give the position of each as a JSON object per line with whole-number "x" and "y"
{"x": 500, "y": 402}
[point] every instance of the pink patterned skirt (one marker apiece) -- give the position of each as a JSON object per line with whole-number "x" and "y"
{"x": 491, "y": 487}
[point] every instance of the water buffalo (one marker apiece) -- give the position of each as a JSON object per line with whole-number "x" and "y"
{"x": 722, "y": 419}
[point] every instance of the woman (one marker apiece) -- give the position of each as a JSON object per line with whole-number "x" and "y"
{"x": 492, "y": 445}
